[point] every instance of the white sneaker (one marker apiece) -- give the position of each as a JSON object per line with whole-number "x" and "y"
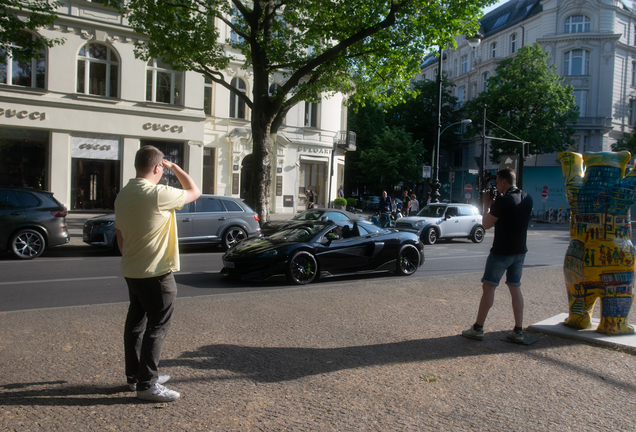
{"x": 161, "y": 380}
{"x": 158, "y": 393}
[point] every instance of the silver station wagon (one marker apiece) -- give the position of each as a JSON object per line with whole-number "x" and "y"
{"x": 211, "y": 219}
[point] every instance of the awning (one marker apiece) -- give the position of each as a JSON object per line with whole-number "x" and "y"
{"x": 314, "y": 158}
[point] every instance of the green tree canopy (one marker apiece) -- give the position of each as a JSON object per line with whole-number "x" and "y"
{"x": 361, "y": 48}
{"x": 16, "y": 16}
{"x": 525, "y": 96}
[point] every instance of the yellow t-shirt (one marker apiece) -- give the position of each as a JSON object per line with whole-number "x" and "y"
{"x": 144, "y": 213}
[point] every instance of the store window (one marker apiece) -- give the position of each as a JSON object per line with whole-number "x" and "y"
{"x": 95, "y": 171}
{"x": 163, "y": 85}
{"x": 25, "y": 73}
{"x": 577, "y": 24}
{"x": 577, "y": 62}
{"x": 97, "y": 70}
{"x": 237, "y": 105}
{"x": 24, "y": 157}
{"x": 313, "y": 176}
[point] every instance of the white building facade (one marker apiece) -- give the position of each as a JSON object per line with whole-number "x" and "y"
{"x": 592, "y": 43}
{"x": 72, "y": 121}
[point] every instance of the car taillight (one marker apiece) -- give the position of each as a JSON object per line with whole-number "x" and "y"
{"x": 256, "y": 218}
{"x": 58, "y": 213}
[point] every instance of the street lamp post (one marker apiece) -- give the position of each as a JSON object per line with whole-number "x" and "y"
{"x": 436, "y": 162}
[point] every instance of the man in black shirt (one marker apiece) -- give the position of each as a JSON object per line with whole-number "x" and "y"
{"x": 510, "y": 214}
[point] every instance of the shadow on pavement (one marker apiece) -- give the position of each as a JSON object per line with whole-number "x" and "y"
{"x": 58, "y": 394}
{"x": 277, "y": 364}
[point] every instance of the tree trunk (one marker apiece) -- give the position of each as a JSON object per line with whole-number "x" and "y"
{"x": 262, "y": 160}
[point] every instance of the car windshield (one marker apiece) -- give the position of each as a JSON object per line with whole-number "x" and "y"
{"x": 432, "y": 211}
{"x": 308, "y": 216}
{"x": 298, "y": 233}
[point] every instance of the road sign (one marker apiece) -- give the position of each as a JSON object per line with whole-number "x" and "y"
{"x": 544, "y": 193}
{"x": 426, "y": 172}
{"x": 468, "y": 188}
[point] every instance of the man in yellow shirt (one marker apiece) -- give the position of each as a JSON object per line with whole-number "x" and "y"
{"x": 147, "y": 237}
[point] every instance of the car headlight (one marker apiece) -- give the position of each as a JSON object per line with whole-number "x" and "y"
{"x": 268, "y": 254}
{"x": 419, "y": 224}
{"x": 103, "y": 223}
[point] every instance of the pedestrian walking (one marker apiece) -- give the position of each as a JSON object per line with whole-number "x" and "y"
{"x": 415, "y": 205}
{"x": 309, "y": 199}
{"x": 384, "y": 208}
{"x": 406, "y": 203}
{"x": 146, "y": 232}
{"x": 340, "y": 192}
{"x": 509, "y": 213}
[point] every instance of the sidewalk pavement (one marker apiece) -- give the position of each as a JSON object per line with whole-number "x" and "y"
{"x": 371, "y": 354}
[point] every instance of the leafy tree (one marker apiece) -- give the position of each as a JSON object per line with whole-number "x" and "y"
{"x": 417, "y": 115}
{"x": 525, "y": 96}
{"x": 16, "y": 16}
{"x": 628, "y": 142}
{"x": 394, "y": 158}
{"x": 321, "y": 47}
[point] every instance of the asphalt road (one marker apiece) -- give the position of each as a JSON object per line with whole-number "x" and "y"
{"x": 76, "y": 275}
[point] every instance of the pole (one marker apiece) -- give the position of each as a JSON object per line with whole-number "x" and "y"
{"x": 482, "y": 168}
{"x": 435, "y": 184}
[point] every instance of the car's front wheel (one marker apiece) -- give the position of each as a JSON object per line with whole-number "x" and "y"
{"x": 232, "y": 236}
{"x": 408, "y": 260}
{"x": 27, "y": 244}
{"x": 302, "y": 268}
{"x": 430, "y": 236}
{"x": 478, "y": 234}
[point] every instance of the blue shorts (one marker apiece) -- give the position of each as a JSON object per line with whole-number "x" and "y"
{"x": 496, "y": 265}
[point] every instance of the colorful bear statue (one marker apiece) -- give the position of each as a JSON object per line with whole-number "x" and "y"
{"x": 599, "y": 262}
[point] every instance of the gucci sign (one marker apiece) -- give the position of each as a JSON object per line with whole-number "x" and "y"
{"x": 163, "y": 128}
{"x": 22, "y": 114}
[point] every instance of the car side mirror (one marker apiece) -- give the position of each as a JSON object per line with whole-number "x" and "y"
{"x": 332, "y": 236}
{"x": 447, "y": 216}
{"x": 324, "y": 218}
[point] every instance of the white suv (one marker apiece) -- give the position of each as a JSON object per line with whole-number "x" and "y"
{"x": 445, "y": 221}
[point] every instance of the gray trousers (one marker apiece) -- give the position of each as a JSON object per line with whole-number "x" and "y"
{"x": 147, "y": 323}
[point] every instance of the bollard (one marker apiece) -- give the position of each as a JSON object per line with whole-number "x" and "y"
{"x": 561, "y": 215}
{"x": 551, "y": 215}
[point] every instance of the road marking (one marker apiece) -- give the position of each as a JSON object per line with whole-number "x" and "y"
{"x": 58, "y": 280}
{"x": 41, "y": 260}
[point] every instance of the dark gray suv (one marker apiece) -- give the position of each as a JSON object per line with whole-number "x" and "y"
{"x": 30, "y": 221}
{"x": 212, "y": 219}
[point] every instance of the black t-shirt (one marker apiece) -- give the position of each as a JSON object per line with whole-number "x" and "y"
{"x": 511, "y": 229}
{"x": 405, "y": 202}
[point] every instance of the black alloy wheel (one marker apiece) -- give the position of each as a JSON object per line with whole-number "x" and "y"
{"x": 302, "y": 268}
{"x": 408, "y": 260}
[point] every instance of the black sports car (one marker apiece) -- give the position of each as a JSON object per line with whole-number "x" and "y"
{"x": 271, "y": 227}
{"x": 308, "y": 250}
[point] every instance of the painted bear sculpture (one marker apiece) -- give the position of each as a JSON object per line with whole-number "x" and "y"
{"x": 599, "y": 262}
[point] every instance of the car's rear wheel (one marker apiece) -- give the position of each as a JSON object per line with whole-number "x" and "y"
{"x": 27, "y": 244}
{"x": 232, "y": 236}
{"x": 478, "y": 234}
{"x": 430, "y": 236}
{"x": 302, "y": 268}
{"x": 408, "y": 260}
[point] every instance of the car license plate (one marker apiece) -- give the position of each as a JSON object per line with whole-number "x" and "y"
{"x": 228, "y": 264}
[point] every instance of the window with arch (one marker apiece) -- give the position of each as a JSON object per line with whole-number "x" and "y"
{"x": 513, "y": 43}
{"x": 237, "y": 105}
{"x": 577, "y": 24}
{"x": 25, "y": 73}
{"x": 311, "y": 113}
{"x": 576, "y": 62}
{"x": 494, "y": 49}
{"x": 97, "y": 70}
{"x": 486, "y": 76}
{"x": 163, "y": 84}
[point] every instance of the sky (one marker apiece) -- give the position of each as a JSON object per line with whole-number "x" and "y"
{"x": 495, "y": 6}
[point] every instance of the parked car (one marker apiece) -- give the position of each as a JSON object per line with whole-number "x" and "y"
{"x": 211, "y": 219}
{"x": 271, "y": 227}
{"x": 310, "y": 250}
{"x": 445, "y": 221}
{"x": 30, "y": 221}
{"x": 373, "y": 203}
